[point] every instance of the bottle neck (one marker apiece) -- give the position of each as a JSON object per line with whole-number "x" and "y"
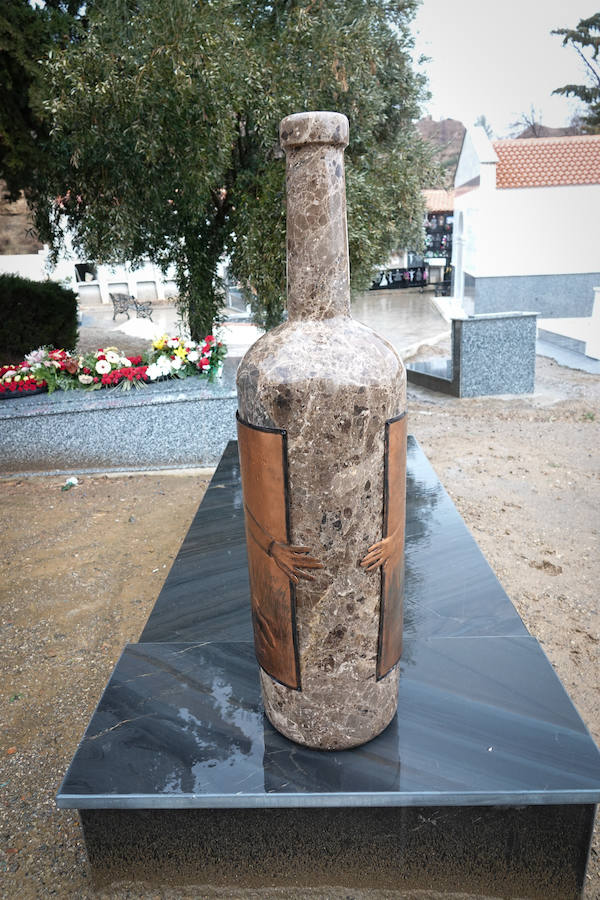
{"x": 318, "y": 271}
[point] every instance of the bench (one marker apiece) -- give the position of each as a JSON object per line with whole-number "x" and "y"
{"x": 143, "y": 310}
{"x": 122, "y": 303}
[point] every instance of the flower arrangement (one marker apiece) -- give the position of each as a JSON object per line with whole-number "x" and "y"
{"x": 169, "y": 357}
{"x": 179, "y": 357}
{"x": 19, "y": 379}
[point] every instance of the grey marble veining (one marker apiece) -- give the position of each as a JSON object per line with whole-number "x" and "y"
{"x": 486, "y": 777}
{"x": 480, "y": 721}
{"x": 332, "y": 384}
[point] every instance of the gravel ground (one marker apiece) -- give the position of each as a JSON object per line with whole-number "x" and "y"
{"x": 82, "y": 569}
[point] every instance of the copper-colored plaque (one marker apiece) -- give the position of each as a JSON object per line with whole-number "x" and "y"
{"x": 392, "y": 573}
{"x": 274, "y": 564}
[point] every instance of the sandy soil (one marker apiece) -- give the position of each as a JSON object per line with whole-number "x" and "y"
{"x": 82, "y": 569}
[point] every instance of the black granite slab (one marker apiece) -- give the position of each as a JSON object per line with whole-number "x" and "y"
{"x": 487, "y": 776}
{"x": 450, "y": 588}
{"x": 480, "y": 721}
{"x": 533, "y": 852}
{"x": 438, "y": 374}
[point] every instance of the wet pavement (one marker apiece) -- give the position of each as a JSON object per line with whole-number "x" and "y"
{"x": 407, "y": 318}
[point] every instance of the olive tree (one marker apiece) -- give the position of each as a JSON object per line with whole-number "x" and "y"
{"x": 164, "y": 142}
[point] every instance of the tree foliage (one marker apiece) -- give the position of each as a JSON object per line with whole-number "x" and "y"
{"x": 585, "y": 39}
{"x": 482, "y": 122}
{"x": 528, "y": 125}
{"x": 27, "y": 33}
{"x": 165, "y": 135}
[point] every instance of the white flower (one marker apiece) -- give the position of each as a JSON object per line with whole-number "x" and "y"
{"x": 10, "y": 374}
{"x": 112, "y": 357}
{"x": 102, "y": 367}
{"x": 177, "y": 363}
{"x": 153, "y": 372}
{"x": 192, "y": 345}
{"x": 36, "y": 356}
{"x": 193, "y": 356}
{"x": 86, "y": 379}
{"x": 173, "y": 342}
{"x": 164, "y": 364}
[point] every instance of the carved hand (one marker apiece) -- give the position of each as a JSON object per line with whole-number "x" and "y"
{"x": 292, "y": 559}
{"x": 379, "y": 553}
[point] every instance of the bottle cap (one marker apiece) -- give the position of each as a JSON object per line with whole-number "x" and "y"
{"x": 314, "y": 128}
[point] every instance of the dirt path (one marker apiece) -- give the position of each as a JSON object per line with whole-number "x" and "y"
{"x": 82, "y": 569}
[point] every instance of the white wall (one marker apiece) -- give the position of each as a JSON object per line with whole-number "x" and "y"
{"x": 530, "y": 231}
{"x": 144, "y": 283}
{"x": 476, "y": 151}
{"x": 27, "y": 265}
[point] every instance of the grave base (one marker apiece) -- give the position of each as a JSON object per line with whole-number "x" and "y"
{"x": 484, "y": 784}
{"x": 529, "y": 851}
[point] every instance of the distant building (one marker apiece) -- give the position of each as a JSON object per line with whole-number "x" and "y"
{"x": 92, "y": 282}
{"x": 22, "y": 254}
{"x": 525, "y": 230}
{"x": 407, "y": 268}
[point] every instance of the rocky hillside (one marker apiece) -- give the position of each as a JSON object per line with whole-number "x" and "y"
{"x": 16, "y": 234}
{"x": 447, "y": 135}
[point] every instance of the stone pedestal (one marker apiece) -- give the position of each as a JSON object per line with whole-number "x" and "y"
{"x": 322, "y": 447}
{"x": 486, "y": 780}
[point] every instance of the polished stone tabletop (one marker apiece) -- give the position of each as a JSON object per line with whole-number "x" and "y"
{"x": 480, "y": 721}
{"x": 482, "y": 717}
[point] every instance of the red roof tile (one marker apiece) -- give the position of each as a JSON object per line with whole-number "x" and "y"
{"x": 438, "y": 200}
{"x": 543, "y": 162}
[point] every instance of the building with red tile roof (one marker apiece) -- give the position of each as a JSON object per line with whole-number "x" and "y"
{"x": 545, "y": 162}
{"x": 438, "y": 200}
{"x": 525, "y": 231}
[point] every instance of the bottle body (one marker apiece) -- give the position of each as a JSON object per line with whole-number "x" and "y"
{"x": 326, "y": 385}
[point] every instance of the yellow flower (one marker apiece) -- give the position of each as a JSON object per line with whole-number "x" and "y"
{"x": 159, "y": 343}
{"x": 181, "y": 351}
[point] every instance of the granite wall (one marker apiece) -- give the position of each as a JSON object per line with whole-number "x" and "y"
{"x": 175, "y": 423}
{"x": 551, "y": 296}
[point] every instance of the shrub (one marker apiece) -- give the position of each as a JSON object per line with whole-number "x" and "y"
{"x": 34, "y": 314}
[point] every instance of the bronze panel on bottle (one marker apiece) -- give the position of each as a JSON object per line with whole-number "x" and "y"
{"x": 275, "y": 566}
{"x": 392, "y": 575}
{"x": 263, "y": 463}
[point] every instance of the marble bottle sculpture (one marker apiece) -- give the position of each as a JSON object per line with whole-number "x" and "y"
{"x": 322, "y": 440}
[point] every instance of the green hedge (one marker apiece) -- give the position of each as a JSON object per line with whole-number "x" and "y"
{"x": 34, "y": 314}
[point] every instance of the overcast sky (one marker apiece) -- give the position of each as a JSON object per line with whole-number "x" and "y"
{"x": 498, "y": 58}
